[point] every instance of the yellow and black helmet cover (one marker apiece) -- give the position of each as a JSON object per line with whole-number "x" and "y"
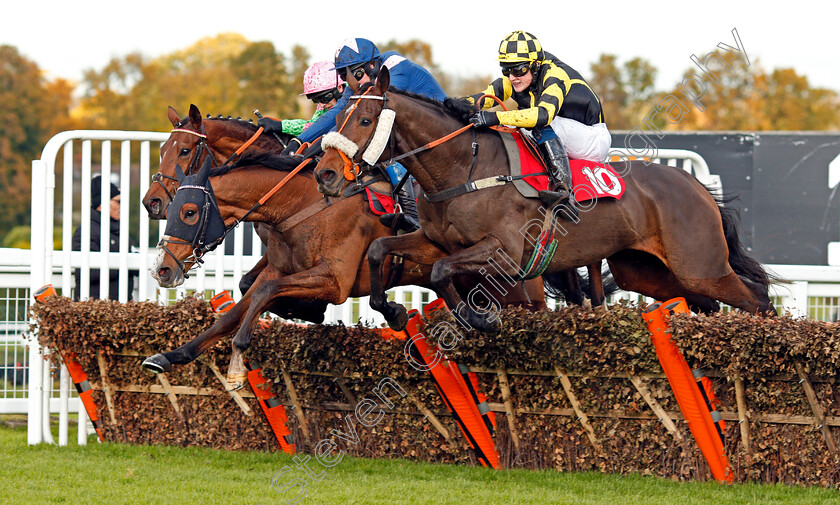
{"x": 520, "y": 46}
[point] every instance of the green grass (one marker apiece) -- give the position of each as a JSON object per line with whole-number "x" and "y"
{"x": 116, "y": 474}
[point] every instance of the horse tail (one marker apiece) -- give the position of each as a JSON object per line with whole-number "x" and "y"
{"x": 741, "y": 262}
{"x": 554, "y": 286}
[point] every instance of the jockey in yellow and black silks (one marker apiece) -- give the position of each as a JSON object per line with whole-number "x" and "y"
{"x": 559, "y": 107}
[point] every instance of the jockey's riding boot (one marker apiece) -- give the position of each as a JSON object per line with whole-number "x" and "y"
{"x": 560, "y": 175}
{"x": 407, "y": 220}
{"x": 408, "y": 202}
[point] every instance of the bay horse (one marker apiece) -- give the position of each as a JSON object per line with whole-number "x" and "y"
{"x": 192, "y": 140}
{"x": 317, "y": 250}
{"x": 666, "y": 237}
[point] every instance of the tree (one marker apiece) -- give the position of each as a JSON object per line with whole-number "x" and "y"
{"x": 790, "y": 103}
{"x": 749, "y": 98}
{"x": 262, "y": 79}
{"x": 34, "y": 109}
{"x": 225, "y": 74}
{"x": 106, "y": 103}
{"x": 626, "y": 92}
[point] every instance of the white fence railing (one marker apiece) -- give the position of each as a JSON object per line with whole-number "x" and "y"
{"x": 26, "y": 271}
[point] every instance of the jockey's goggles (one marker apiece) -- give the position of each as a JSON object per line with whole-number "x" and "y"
{"x": 516, "y": 70}
{"x": 324, "y": 97}
{"x": 357, "y": 72}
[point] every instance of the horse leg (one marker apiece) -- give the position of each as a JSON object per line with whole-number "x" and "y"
{"x": 319, "y": 283}
{"x": 248, "y": 279}
{"x": 529, "y": 294}
{"x": 414, "y": 247}
{"x": 596, "y": 285}
{"x": 762, "y": 294}
{"x": 188, "y": 352}
{"x": 732, "y": 290}
{"x": 570, "y": 282}
{"x": 644, "y": 273}
{"x": 534, "y": 293}
{"x": 470, "y": 261}
{"x": 225, "y": 325}
{"x": 704, "y": 269}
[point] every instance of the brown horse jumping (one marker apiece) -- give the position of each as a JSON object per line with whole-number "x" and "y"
{"x": 666, "y": 237}
{"x": 314, "y": 251}
{"x": 194, "y": 139}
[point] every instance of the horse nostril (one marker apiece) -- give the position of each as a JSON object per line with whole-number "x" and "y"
{"x": 163, "y": 272}
{"x": 329, "y": 176}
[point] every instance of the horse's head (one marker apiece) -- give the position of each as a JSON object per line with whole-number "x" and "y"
{"x": 191, "y": 141}
{"x": 186, "y": 146}
{"x": 194, "y": 228}
{"x": 363, "y": 133}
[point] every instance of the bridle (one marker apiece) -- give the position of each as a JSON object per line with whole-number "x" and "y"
{"x": 349, "y": 151}
{"x": 198, "y": 243}
{"x": 196, "y": 159}
{"x": 201, "y": 245}
{"x": 357, "y": 159}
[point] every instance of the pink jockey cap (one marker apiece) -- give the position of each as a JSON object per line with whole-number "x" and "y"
{"x": 320, "y": 76}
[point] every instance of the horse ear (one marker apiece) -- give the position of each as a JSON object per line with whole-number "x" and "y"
{"x": 383, "y": 80}
{"x": 174, "y": 118}
{"x": 195, "y": 116}
{"x": 204, "y": 172}
{"x": 179, "y": 173}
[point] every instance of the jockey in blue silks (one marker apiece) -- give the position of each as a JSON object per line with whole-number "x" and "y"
{"x": 357, "y": 62}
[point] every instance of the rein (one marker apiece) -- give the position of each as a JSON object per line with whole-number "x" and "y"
{"x": 200, "y": 248}
{"x": 244, "y": 146}
{"x": 347, "y": 149}
{"x": 470, "y": 185}
{"x": 434, "y": 144}
{"x": 261, "y": 201}
{"x": 200, "y": 148}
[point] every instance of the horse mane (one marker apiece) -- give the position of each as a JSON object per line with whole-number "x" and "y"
{"x": 266, "y": 159}
{"x": 237, "y": 121}
{"x": 459, "y": 108}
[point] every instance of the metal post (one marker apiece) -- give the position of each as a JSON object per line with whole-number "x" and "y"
{"x": 125, "y": 197}
{"x": 84, "y": 268}
{"x": 238, "y": 248}
{"x": 800, "y": 298}
{"x": 105, "y": 221}
{"x": 63, "y": 405}
{"x": 67, "y": 222}
{"x": 81, "y": 436}
{"x": 46, "y": 380}
{"x": 34, "y": 434}
{"x": 145, "y": 260}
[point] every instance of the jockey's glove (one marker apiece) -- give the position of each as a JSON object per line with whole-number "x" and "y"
{"x": 484, "y": 118}
{"x": 271, "y": 125}
{"x": 292, "y": 147}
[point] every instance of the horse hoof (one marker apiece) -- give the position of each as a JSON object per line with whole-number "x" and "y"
{"x": 157, "y": 364}
{"x": 398, "y": 322}
{"x": 493, "y": 327}
{"x": 236, "y": 382}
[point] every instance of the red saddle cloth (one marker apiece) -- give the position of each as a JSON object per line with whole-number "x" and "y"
{"x": 589, "y": 179}
{"x": 379, "y": 203}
